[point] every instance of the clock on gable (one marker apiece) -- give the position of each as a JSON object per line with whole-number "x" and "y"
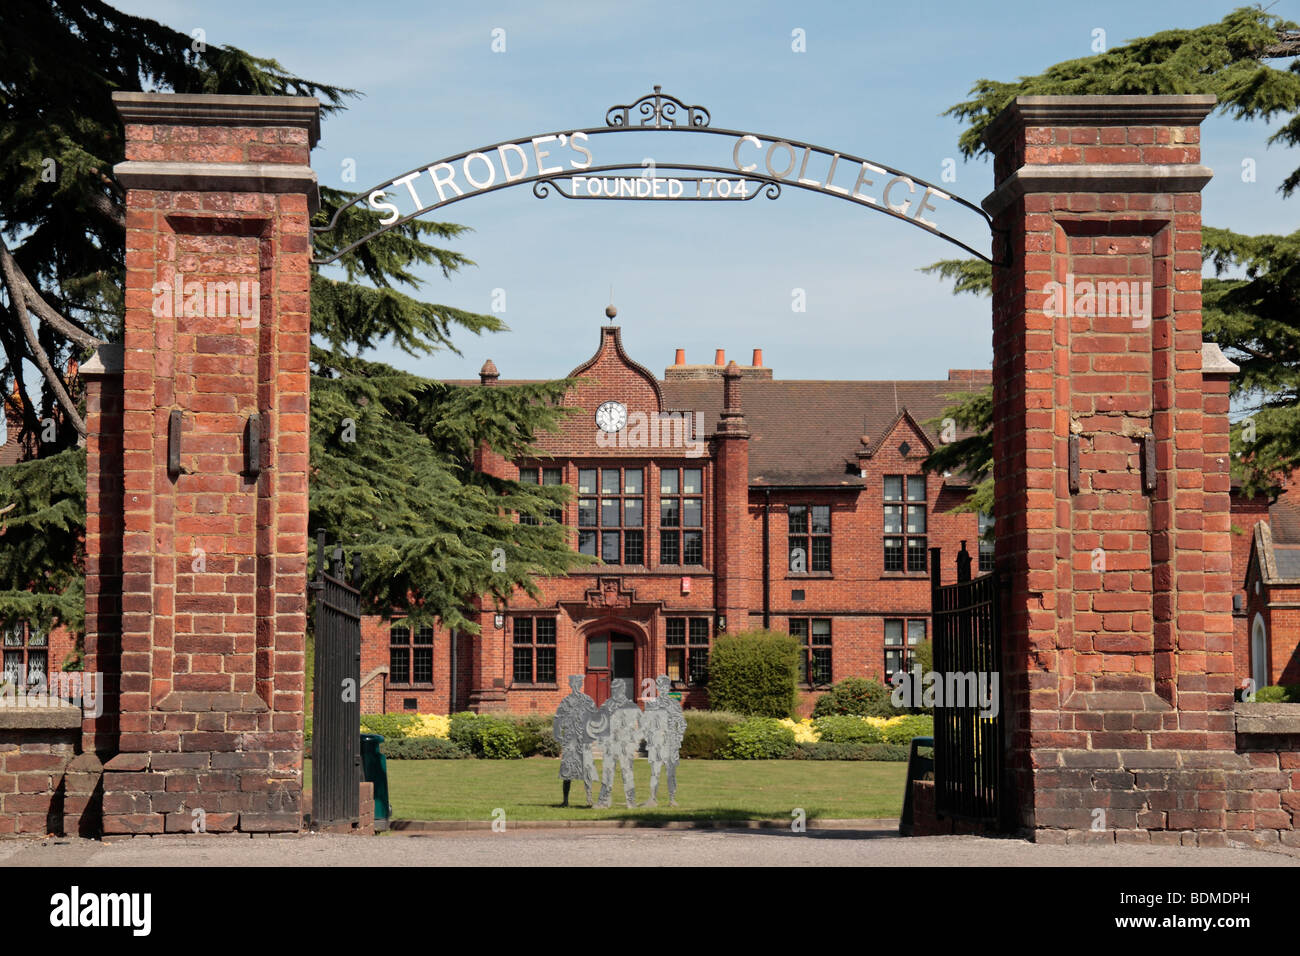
{"x": 611, "y": 416}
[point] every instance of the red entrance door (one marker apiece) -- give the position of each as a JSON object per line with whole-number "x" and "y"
{"x": 609, "y": 656}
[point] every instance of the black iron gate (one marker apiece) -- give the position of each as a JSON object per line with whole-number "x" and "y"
{"x": 969, "y": 749}
{"x": 336, "y": 721}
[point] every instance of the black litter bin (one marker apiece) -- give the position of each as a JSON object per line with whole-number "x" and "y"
{"x": 374, "y": 769}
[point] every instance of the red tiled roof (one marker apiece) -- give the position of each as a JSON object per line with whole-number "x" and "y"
{"x": 809, "y": 432}
{"x": 1284, "y": 520}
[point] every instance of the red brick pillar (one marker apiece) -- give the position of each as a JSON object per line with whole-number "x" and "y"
{"x": 214, "y": 549}
{"x": 1111, "y": 465}
{"x": 731, "y": 506}
{"x": 104, "y": 527}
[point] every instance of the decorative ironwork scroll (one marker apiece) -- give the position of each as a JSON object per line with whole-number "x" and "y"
{"x": 659, "y": 111}
{"x": 759, "y": 163}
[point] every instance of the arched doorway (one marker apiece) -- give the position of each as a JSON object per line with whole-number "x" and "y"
{"x": 1259, "y": 652}
{"x": 610, "y": 654}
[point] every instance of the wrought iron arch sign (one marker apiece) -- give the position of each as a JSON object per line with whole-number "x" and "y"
{"x": 487, "y": 169}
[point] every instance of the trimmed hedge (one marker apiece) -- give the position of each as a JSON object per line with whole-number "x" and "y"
{"x": 914, "y": 725}
{"x": 708, "y": 734}
{"x": 856, "y": 695}
{"x": 533, "y": 735}
{"x": 390, "y": 726}
{"x": 760, "y": 738}
{"x": 422, "y": 748}
{"x": 753, "y": 673}
{"x": 825, "y": 750}
{"x": 485, "y": 735}
{"x": 844, "y": 729}
{"x": 1278, "y": 694}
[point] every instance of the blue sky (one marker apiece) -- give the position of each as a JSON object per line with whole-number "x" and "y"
{"x": 873, "y": 81}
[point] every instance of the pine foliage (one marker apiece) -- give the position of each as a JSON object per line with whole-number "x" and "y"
{"x": 1255, "y": 318}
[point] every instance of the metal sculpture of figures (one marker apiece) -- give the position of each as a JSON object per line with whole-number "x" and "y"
{"x": 618, "y": 728}
{"x": 663, "y": 725}
{"x": 570, "y": 729}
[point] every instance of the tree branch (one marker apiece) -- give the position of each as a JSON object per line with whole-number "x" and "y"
{"x": 1288, "y": 44}
{"x": 36, "y": 302}
{"x": 18, "y": 306}
{"x": 107, "y": 209}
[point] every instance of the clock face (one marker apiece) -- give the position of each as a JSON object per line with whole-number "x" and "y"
{"x": 611, "y": 416}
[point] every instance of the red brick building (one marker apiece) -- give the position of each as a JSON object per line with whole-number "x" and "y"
{"x": 718, "y": 498}
{"x": 1272, "y": 606}
{"x": 26, "y": 650}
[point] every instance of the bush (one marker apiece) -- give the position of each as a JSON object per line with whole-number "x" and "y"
{"x": 760, "y": 738}
{"x": 498, "y": 739}
{"x": 914, "y": 725}
{"x": 1278, "y": 694}
{"x": 825, "y": 750}
{"x": 923, "y": 656}
{"x": 422, "y": 748}
{"x": 844, "y": 729}
{"x": 753, "y": 673}
{"x": 856, "y": 695}
{"x": 533, "y": 735}
{"x": 708, "y": 734}
{"x": 463, "y": 730}
{"x": 391, "y": 726}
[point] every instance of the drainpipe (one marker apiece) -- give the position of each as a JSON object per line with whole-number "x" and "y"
{"x": 767, "y": 599}
{"x": 451, "y": 696}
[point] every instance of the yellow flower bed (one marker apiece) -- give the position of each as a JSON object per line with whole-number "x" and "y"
{"x": 883, "y": 722}
{"x": 804, "y": 731}
{"x": 430, "y": 725}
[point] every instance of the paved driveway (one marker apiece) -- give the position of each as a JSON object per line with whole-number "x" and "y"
{"x": 577, "y": 847}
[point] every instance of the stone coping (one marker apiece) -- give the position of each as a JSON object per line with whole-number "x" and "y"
{"x": 220, "y": 177}
{"x": 1097, "y": 178}
{"x": 13, "y": 717}
{"x": 219, "y": 109}
{"x": 1256, "y": 718}
{"x": 1118, "y": 110}
{"x": 107, "y": 360}
{"x": 1214, "y": 362}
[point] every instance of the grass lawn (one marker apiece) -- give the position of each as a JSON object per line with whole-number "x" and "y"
{"x": 529, "y": 789}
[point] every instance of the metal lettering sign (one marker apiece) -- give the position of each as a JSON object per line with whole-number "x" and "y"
{"x": 564, "y": 162}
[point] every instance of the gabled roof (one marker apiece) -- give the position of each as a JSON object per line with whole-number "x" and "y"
{"x": 805, "y": 433}
{"x": 1284, "y": 520}
{"x": 1276, "y": 563}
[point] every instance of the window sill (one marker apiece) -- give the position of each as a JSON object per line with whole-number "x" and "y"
{"x": 410, "y": 686}
{"x": 810, "y": 576}
{"x": 642, "y": 569}
{"x": 905, "y": 575}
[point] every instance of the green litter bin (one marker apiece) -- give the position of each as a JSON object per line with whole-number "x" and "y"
{"x": 374, "y": 769}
